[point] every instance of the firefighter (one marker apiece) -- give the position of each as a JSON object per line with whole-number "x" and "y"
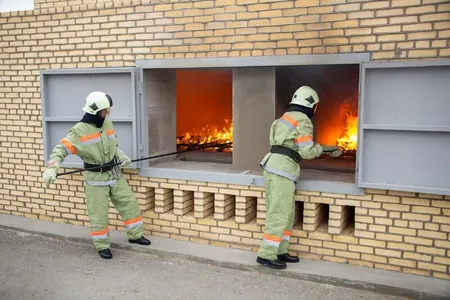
{"x": 94, "y": 140}
{"x": 291, "y": 140}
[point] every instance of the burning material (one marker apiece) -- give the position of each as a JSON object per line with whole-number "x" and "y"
{"x": 348, "y": 139}
{"x": 208, "y": 135}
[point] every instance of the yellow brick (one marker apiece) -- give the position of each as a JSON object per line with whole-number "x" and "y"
{"x": 401, "y": 246}
{"x": 398, "y": 3}
{"x": 345, "y": 239}
{"x": 435, "y": 17}
{"x": 388, "y": 253}
{"x": 332, "y": 245}
{"x": 377, "y": 228}
{"x": 420, "y": 9}
{"x": 360, "y": 249}
{"x": 374, "y": 258}
{"x": 321, "y": 251}
{"x": 347, "y": 7}
{"x": 432, "y": 234}
{"x": 416, "y": 217}
{"x": 418, "y": 241}
{"x": 371, "y": 242}
{"x": 417, "y": 27}
{"x": 417, "y": 256}
{"x": 416, "y": 272}
{"x": 442, "y": 260}
{"x": 388, "y": 237}
{"x": 422, "y": 53}
{"x": 402, "y": 262}
{"x": 433, "y": 267}
{"x": 441, "y": 275}
{"x": 375, "y": 5}
{"x": 360, "y": 263}
{"x": 361, "y": 15}
{"x": 403, "y": 20}
{"x": 346, "y": 24}
{"x": 333, "y": 17}
{"x": 387, "y": 267}
{"x": 402, "y": 231}
{"x": 386, "y": 199}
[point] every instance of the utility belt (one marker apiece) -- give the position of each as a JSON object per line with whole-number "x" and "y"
{"x": 101, "y": 168}
{"x": 286, "y": 151}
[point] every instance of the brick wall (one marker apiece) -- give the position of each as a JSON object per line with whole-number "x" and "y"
{"x": 405, "y": 232}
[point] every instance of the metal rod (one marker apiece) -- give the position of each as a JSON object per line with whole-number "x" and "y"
{"x": 145, "y": 158}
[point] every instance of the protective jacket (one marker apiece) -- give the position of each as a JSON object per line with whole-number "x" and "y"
{"x": 293, "y": 130}
{"x": 94, "y": 146}
{"x": 94, "y": 140}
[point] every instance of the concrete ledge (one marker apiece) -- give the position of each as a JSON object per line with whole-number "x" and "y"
{"x": 381, "y": 281}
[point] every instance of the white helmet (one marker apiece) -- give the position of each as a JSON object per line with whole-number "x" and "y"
{"x": 97, "y": 101}
{"x": 306, "y": 96}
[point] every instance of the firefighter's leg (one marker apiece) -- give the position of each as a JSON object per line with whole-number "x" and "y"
{"x": 278, "y": 211}
{"x": 97, "y": 200}
{"x": 126, "y": 204}
{"x": 283, "y": 249}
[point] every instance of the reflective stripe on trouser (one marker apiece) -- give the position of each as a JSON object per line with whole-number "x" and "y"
{"x": 123, "y": 199}
{"x": 279, "y": 215}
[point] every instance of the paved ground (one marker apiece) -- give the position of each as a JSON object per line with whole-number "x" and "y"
{"x": 37, "y": 267}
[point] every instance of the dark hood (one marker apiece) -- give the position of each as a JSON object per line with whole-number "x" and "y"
{"x": 93, "y": 119}
{"x": 306, "y": 110}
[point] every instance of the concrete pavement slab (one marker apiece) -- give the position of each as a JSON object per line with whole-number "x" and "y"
{"x": 38, "y": 267}
{"x": 389, "y": 282}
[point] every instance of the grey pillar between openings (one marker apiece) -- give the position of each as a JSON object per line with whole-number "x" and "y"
{"x": 253, "y": 113}
{"x": 161, "y": 91}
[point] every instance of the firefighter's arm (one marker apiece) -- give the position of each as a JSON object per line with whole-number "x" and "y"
{"x": 126, "y": 161}
{"x": 304, "y": 140}
{"x": 69, "y": 145}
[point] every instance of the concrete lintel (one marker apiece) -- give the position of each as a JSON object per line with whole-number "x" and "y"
{"x": 255, "y": 61}
{"x": 250, "y": 180}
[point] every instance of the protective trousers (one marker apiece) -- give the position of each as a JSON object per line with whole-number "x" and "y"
{"x": 123, "y": 199}
{"x": 279, "y": 216}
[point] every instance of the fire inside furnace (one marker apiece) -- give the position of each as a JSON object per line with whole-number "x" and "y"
{"x": 336, "y": 119}
{"x": 204, "y": 110}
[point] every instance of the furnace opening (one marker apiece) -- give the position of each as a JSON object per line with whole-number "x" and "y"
{"x": 204, "y": 114}
{"x": 336, "y": 119}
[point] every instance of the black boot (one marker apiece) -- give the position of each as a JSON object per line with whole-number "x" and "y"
{"x": 105, "y": 253}
{"x": 275, "y": 264}
{"x": 141, "y": 241}
{"x": 286, "y": 257}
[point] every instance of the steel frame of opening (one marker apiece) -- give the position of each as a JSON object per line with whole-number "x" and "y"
{"x": 243, "y": 178}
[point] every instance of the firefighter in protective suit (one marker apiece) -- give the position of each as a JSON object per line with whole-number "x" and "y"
{"x": 94, "y": 140}
{"x": 291, "y": 139}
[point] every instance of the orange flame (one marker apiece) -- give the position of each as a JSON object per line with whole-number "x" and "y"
{"x": 208, "y": 134}
{"x": 348, "y": 140}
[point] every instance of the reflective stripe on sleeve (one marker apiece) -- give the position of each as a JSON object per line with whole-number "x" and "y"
{"x": 99, "y": 235}
{"x": 285, "y": 119}
{"x": 111, "y": 134}
{"x": 271, "y": 240}
{"x": 134, "y": 222}
{"x": 70, "y": 149}
{"x": 91, "y": 139}
{"x": 304, "y": 141}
